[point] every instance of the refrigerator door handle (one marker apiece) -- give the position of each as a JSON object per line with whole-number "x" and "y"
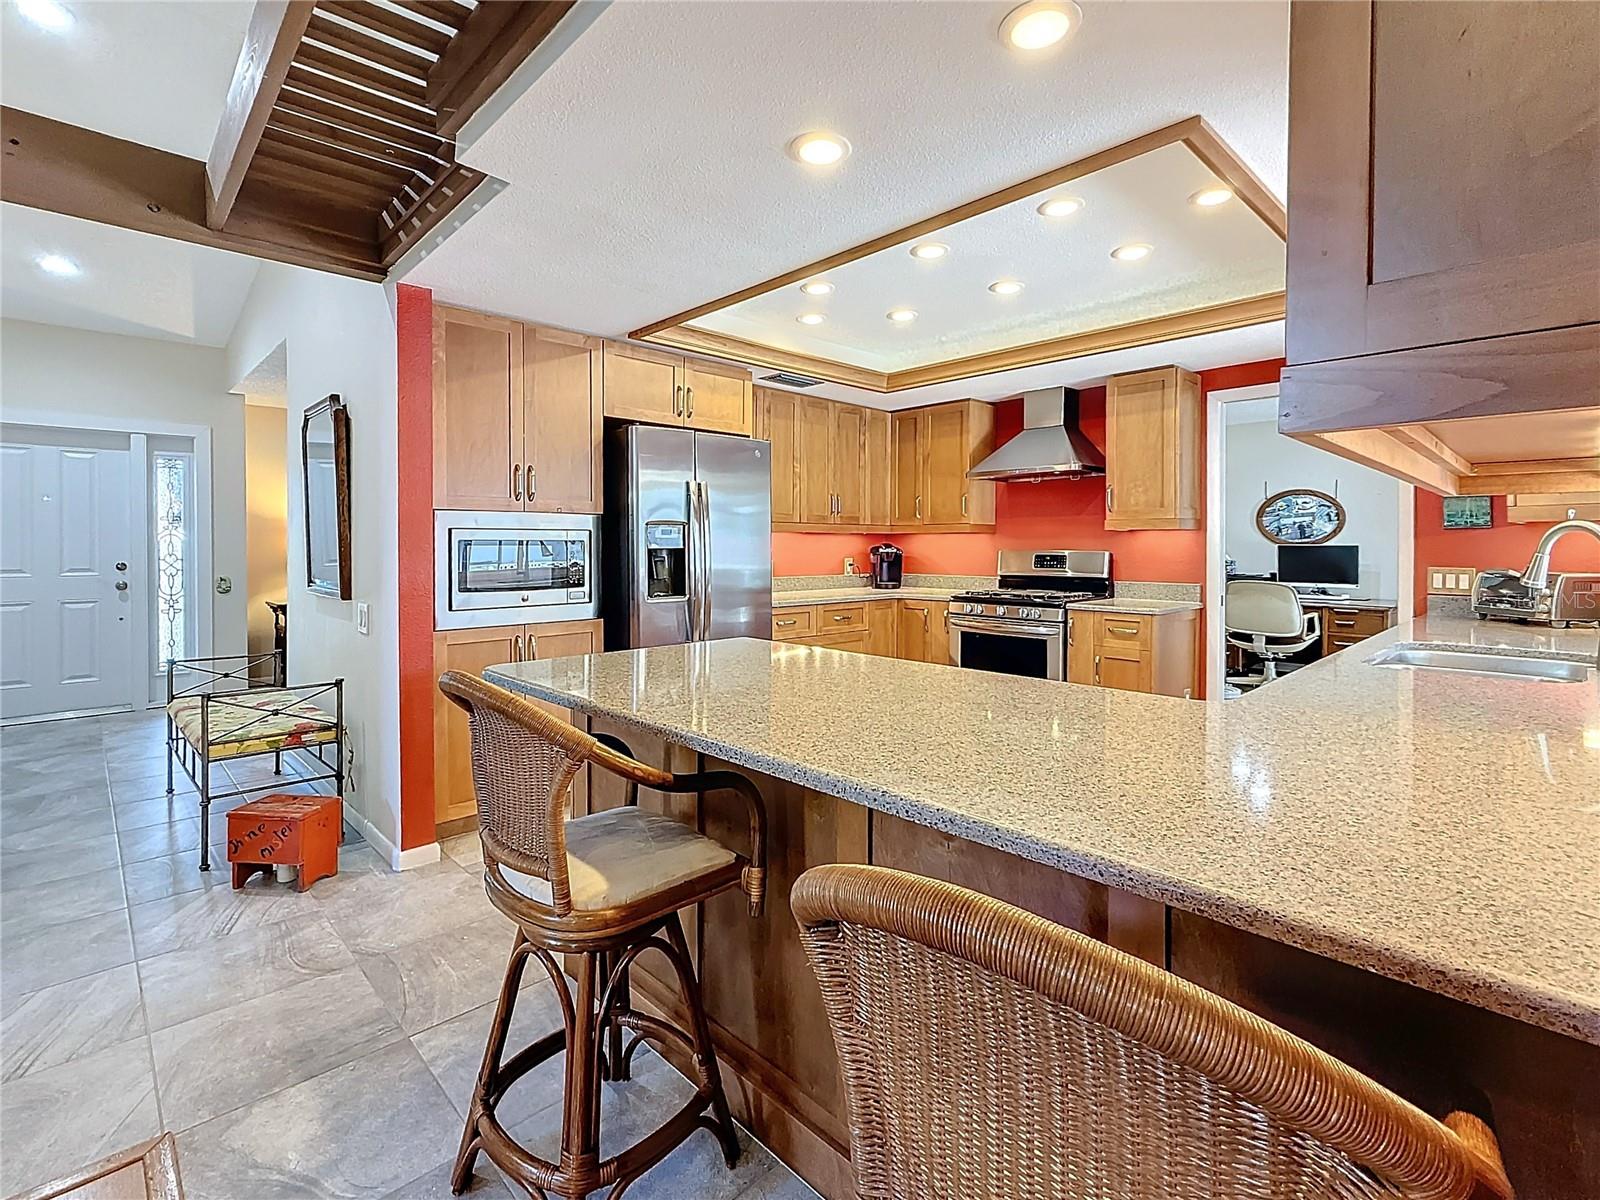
{"x": 700, "y": 585}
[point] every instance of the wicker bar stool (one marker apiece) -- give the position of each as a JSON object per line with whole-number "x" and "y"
{"x": 602, "y": 889}
{"x": 992, "y": 1055}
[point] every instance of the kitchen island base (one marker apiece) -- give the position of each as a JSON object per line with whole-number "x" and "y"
{"x": 1539, "y": 1089}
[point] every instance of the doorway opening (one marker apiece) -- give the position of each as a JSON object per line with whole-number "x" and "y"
{"x": 1314, "y": 541}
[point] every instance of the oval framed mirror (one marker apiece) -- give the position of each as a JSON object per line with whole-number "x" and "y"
{"x": 1300, "y": 517}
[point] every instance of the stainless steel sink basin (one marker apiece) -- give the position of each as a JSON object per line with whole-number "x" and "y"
{"x": 1548, "y": 670}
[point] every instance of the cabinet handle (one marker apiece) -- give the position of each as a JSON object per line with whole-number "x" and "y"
{"x": 1344, "y": 624}
{"x": 516, "y": 482}
{"x": 1351, "y": 611}
{"x": 963, "y": 504}
{"x": 516, "y": 648}
{"x": 677, "y": 399}
{"x": 1130, "y": 630}
{"x": 688, "y": 402}
{"x": 530, "y": 481}
{"x": 784, "y": 624}
{"x": 919, "y": 508}
{"x": 1097, "y": 668}
{"x": 838, "y": 617}
{"x": 1111, "y": 498}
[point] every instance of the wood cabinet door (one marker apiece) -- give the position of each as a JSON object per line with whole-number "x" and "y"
{"x": 1080, "y": 647}
{"x": 562, "y": 400}
{"x": 477, "y": 411}
{"x": 944, "y": 469}
{"x": 643, "y": 385}
{"x": 848, "y": 454}
{"x": 939, "y": 633}
{"x": 875, "y": 468}
{"x": 1440, "y": 193}
{"x": 915, "y": 632}
{"x": 905, "y": 466}
{"x": 471, "y": 651}
{"x": 816, "y": 455}
{"x": 1128, "y": 670}
{"x": 778, "y": 421}
{"x": 1153, "y": 450}
{"x": 883, "y": 628}
{"x": 717, "y": 399}
{"x": 560, "y": 639}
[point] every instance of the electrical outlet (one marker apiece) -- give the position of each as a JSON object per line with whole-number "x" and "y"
{"x": 363, "y": 618}
{"x": 849, "y": 566}
{"x": 1451, "y": 581}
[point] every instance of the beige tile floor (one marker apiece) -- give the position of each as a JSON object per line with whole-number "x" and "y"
{"x": 316, "y": 1045}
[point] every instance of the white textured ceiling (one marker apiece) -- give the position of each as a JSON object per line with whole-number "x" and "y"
{"x": 1202, "y": 257}
{"x": 648, "y": 172}
{"x": 154, "y": 72}
{"x": 132, "y": 283}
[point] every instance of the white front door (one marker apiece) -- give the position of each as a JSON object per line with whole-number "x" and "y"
{"x": 66, "y": 601}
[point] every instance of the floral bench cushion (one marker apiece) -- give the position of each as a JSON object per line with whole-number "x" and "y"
{"x": 253, "y": 722}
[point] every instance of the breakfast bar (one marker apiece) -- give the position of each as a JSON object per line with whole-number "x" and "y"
{"x": 1396, "y": 862}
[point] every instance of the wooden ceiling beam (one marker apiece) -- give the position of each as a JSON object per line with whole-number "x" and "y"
{"x": 395, "y": 86}
{"x": 270, "y": 43}
{"x": 362, "y": 44}
{"x": 319, "y": 84}
{"x": 288, "y": 146}
{"x": 358, "y": 141}
{"x": 56, "y": 167}
{"x": 492, "y": 43}
{"x": 310, "y": 105}
{"x": 446, "y": 12}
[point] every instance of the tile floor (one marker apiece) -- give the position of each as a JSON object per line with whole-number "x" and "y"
{"x": 316, "y": 1045}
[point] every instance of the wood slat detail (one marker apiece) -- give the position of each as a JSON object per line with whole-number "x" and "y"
{"x": 424, "y": 216}
{"x": 320, "y": 155}
{"x": 364, "y": 45}
{"x": 299, "y": 101}
{"x": 445, "y": 12}
{"x": 394, "y": 86}
{"x": 491, "y": 45}
{"x": 357, "y": 140}
{"x": 274, "y": 165}
{"x": 303, "y": 77}
{"x": 391, "y": 23}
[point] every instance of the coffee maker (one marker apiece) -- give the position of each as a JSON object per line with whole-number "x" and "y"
{"x": 888, "y": 563}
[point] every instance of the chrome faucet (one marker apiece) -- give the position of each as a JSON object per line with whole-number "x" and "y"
{"x": 1537, "y": 573}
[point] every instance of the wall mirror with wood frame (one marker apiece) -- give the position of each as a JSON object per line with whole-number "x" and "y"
{"x": 1300, "y": 517}
{"x": 325, "y": 460}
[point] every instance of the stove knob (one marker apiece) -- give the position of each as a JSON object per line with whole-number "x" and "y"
{"x": 1000, "y": 610}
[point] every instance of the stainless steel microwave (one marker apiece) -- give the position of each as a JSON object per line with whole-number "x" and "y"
{"x": 506, "y": 568}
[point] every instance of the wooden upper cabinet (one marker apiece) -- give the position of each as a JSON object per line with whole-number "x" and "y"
{"x": 875, "y": 467}
{"x": 643, "y": 385}
{"x": 906, "y": 467}
{"x": 717, "y": 398}
{"x": 561, "y": 391}
{"x": 478, "y": 411}
{"x": 849, "y": 466}
{"x": 1153, "y": 450}
{"x": 667, "y": 389}
{"x": 1444, "y": 173}
{"x": 933, "y": 449}
{"x": 816, "y": 466}
{"x": 778, "y": 422}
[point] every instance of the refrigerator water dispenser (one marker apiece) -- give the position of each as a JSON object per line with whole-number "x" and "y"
{"x": 666, "y": 561}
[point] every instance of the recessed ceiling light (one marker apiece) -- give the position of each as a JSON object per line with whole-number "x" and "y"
{"x": 46, "y": 14}
{"x": 1006, "y": 287}
{"x": 819, "y": 148}
{"x": 1060, "y": 206}
{"x": 1211, "y": 197}
{"x": 902, "y": 316}
{"x": 1132, "y": 252}
{"x": 817, "y": 287}
{"x": 59, "y": 265}
{"x": 928, "y": 251}
{"x": 811, "y": 318}
{"x": 1039, "y": 24}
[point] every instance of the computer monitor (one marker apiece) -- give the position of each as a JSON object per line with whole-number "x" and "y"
{"x": 1320, "y": 566}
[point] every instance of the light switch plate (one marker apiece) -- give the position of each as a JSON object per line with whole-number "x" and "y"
{"x": 363, "y": 618}
{"x": 1451, "y": 581}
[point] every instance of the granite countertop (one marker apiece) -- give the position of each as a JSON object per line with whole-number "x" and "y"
{"x": 1136, "y": 607}
{"x": 1431, "y": 826}
{"x": 846, "y": 595}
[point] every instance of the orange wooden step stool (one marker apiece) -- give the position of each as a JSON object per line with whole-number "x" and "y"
{"x": 284, "y": 830}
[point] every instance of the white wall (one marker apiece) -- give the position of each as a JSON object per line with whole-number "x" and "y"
{"x": 127, "y": 384}
{"x": 1257, "y": 456}
{"x": 266, "y": 482}
{"x": 340, "y": 337}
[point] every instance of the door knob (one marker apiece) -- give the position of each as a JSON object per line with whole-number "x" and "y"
{"x": 121, "y": 566}
{"x": 122, "y": 585}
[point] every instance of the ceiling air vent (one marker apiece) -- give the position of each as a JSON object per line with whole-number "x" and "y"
{"x": 790, "y": 379}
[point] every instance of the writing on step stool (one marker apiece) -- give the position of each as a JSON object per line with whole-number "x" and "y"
{"x": 271, "y": 840}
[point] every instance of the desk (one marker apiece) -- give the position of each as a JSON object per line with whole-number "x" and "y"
{"x": 1344, "y": 623}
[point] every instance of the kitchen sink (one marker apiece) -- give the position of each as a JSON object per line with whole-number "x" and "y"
{"x": 1480, "y": 662}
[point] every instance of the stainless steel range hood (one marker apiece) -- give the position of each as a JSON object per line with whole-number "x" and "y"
{"x": 1050, "y": 446}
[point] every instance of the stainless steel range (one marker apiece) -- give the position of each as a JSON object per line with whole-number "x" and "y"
{"x": 1021, "y": 627}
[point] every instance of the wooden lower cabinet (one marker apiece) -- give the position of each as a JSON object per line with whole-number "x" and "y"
{"x": 1080, "y": 647}
{"x": 883, "y": 628}
{"x": 924, "y": 634}
{"x": 472, "y": 651}
{"x": 1143, "y": 652}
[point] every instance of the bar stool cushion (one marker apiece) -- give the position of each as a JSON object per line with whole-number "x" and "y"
{"x": 624, "y": 854}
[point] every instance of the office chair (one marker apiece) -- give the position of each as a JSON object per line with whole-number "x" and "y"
{"x": 1266, "y": 619}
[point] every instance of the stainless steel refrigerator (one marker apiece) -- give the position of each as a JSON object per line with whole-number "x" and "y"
{"x": 687, "y": 542}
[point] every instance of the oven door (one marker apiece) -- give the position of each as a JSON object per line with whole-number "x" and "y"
{"x": 518, "y": 568}
{"x": 1036, "y": 649}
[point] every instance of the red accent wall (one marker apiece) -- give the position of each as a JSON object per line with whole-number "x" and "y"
{"x": 1501, "y": 545}
{"x": 414, "y": 338}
